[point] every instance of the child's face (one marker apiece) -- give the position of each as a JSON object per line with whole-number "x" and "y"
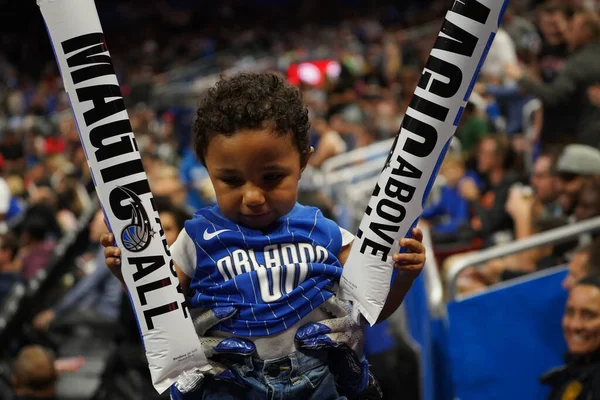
{"x": 255, "y": 174}
{"x": 453, "y": 172}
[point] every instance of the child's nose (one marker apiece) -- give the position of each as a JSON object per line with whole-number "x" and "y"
{"x": 254, "y": 197}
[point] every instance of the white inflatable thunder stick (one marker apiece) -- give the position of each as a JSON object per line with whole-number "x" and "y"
{"x": 171, "y": 343}
{"x": 414, "y": 160}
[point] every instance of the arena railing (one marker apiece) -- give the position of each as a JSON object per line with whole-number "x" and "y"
{"x": 357, "y": 161}
{"x": 356, "y": 156}
{"x": 555, "y": 236}
{"x": 433, "y": 280}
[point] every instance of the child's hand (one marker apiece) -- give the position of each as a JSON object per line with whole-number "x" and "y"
{"x": 410, "y": 264}
{"x": 343, "y": 338}
{"x": 112, "y": 255}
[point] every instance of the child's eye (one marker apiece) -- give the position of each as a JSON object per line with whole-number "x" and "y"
{"x": 271, "y": 178}
{"x": 233, "y": 182}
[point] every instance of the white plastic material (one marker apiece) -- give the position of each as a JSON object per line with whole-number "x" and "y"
{"x": 172, "y": 346}
{"x": 428, "y": 126}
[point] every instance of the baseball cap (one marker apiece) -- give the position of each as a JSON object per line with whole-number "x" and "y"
{"x": 579, "y": 159}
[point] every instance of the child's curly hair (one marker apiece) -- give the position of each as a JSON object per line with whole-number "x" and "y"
{"x": 251, "y": 101}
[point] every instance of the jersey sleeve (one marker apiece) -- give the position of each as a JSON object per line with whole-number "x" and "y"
{"x": 183, "y": 252}
{"x": 347, "y": 237}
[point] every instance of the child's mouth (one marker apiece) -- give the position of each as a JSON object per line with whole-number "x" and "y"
{"x": 261, "y": 219}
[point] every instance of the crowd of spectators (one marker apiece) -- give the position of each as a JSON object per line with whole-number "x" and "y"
{"x": 529, "y": 140}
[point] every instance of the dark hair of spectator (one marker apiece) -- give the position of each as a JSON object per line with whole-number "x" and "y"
{"x": 552, "y": 152}
{"x": 470, "y": 108}
{"x": 164, "y": 205}
{"x": 35, "y": 228}
{"x": 9, "y": 242}
{"x": 589, "y": 280}
{"x": 43, "y": 212}
{"x": 593, "y": 264}
{"x": 251, "y": 101}
{"x": 503, "y": 150}
{"x": 556, "y": 6}
{"x": 592, "y": 250}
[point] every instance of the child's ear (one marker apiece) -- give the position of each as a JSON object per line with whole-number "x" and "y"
{"x": 304, "y": 159}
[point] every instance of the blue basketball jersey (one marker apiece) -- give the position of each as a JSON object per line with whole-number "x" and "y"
{"x": 273, "y": 278}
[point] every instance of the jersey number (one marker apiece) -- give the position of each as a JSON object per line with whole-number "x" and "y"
{"x": 270, "y": 280}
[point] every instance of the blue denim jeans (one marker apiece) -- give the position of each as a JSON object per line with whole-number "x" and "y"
{"x": 303, "y": 375}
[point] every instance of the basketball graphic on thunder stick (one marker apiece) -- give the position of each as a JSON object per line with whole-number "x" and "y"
{"x": 136, "y": 235}
{"x": 434, "y": 112}
{"x": 172, "y": 346}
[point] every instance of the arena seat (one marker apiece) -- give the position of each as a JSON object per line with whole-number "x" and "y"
{"x": 489, "y": 346}
{"x": 518, "y": 348}
{"x": 501, "y": 341}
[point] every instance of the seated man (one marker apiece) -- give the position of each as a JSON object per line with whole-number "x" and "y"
{"x": 577, "y": 165}
{"x": 524, "y": 207}
{"x": 94, "y": 299}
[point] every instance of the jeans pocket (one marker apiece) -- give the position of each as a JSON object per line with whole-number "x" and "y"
{"x": 314, "y": 377}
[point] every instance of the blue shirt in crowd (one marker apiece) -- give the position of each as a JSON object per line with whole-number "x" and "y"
{"x": 452, "y": 206}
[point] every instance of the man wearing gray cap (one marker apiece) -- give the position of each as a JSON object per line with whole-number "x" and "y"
{"x": 576, "y": 165}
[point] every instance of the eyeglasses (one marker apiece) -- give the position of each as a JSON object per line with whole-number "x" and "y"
{"x": 567, "y": 176}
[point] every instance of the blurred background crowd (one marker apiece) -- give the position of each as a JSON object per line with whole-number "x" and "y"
{"x": 525, "y": 158}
